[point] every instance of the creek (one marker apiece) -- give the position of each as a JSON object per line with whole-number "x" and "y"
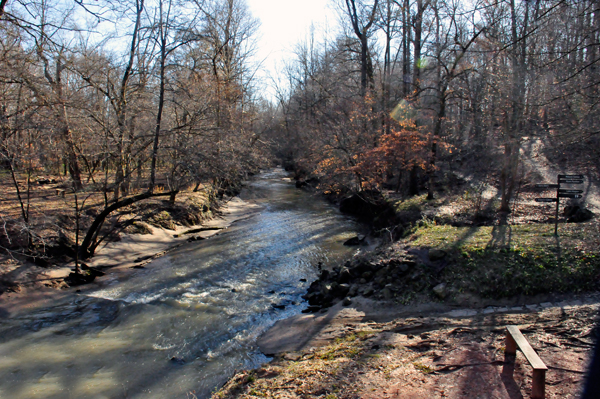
{"x": 180, "y": 327}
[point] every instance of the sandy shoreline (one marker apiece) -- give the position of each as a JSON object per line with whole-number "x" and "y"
{"x": 116, "y": 258}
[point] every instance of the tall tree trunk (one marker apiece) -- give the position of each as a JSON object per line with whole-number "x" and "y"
{"x": 406, "y": 39}
{"x": 513, "y": 124}
{"x": 72, "y": 162}
{"x": 437, "y": 130}
{"x": 418, "y": 26}
{"x": 362, "y": 33}
{"x": 416, "y": 79}
{"x": 387, "y": 68}
{"x": 65, "y": 129}
{"x": 161, "y": 98}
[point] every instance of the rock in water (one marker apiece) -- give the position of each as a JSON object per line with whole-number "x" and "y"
{"x": 353, "y": 290}
{"x": 352, "y": 242}
{"x": 92, "y": 270}
{"x": 177, "y": 360}
{"x": 74, "y": 279}
{"x": 345, "y": 275}
{"x": 342, "y": 290}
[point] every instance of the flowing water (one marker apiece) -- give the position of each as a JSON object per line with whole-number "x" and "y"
{"x": 183, "y": 325}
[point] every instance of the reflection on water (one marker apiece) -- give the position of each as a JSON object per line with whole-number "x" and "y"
{"x": 184, "y": 324}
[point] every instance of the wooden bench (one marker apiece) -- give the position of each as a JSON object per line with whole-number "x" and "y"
{"x": 514, "y": 339}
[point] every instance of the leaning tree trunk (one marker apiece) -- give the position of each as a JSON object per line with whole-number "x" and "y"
{"x": 90, "y": 242}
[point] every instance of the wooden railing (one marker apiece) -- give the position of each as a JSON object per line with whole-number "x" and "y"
{"x": 514, "y": 340}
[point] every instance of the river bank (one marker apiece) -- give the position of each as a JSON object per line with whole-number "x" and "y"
{"x": 181, "y": 324}
{"x": 33, "y": 286}
{"x": 450, "y": 264}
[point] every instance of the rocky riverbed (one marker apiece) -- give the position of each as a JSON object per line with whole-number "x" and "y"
{"x": 384, "y": 278}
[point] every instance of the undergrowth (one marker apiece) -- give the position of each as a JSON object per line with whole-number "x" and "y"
{"x": 502, "y": 261}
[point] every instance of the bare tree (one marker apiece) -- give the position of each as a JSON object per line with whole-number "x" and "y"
{"x": 362, "y": 18}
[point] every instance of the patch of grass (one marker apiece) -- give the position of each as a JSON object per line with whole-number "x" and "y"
{"x": 163, "y": 219}
{"x": 362, "y": 335}
{"x": 254, "y": 392}
{"x": 501, "y": 261}
{"x": 349, "y": 346}
{"x": 415, "y": 203}
{"x": 423, "y": 368}
{"x": 138, "y": 228}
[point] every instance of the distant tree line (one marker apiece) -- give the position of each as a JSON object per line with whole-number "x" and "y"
{"x": 410, "y": 89}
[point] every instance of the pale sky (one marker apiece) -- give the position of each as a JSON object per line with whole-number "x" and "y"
{"x": 284, "y": 23}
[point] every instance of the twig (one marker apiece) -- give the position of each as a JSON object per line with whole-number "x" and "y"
{"x": 5, "y": 231}
{"x": 550, "y": 343}
{"x": 567, "y": 370}
{"x": 448, "y": 368}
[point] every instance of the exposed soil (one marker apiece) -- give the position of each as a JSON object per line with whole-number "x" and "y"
{"x": 433, "y": 356}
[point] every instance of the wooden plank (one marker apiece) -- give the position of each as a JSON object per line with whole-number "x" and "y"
{"x": 532, "y": 357}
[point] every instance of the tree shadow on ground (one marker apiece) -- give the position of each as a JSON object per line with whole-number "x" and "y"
{"x": 501, "y": 237}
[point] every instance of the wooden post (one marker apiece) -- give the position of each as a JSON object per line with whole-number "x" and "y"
{"x": 511, "y": 345}
{"x": 538, "y": 384}
{"x": 557, "y": 206}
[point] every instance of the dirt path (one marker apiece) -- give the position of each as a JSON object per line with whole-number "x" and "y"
{"x": 443, "y": 353}
{"x": 537, "y": 163}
